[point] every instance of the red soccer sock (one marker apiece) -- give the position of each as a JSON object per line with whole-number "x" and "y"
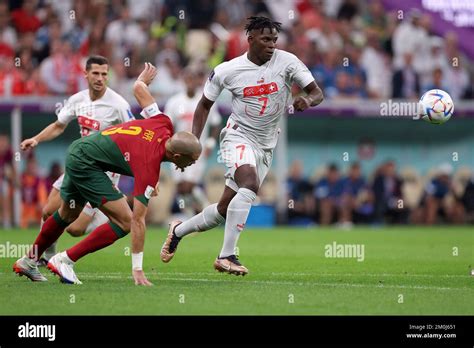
{"x": 102, "y": 236}
{"x": 51, "y": 230}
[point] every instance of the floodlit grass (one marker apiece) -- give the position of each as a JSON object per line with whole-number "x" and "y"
{"x": 427, "y": 269}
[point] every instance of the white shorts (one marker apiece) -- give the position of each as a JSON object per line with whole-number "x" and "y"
{"x": 192, "y": 173}
{"x": 236, "y": 150}
{"x": 114, "y": 177}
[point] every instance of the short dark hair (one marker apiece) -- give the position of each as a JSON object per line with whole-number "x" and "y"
{"x": 260, "y": 22}
{"x": 95, "y": 60}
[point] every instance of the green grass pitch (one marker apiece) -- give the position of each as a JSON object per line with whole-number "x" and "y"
{"x": 405, "y": 271}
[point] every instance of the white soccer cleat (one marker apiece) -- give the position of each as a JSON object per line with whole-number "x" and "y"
{"x": 62, "y": 266}
{"x": 28, "y": 267}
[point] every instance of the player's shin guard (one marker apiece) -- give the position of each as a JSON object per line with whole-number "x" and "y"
{"x": 205, "y": 220}
{"x": 237, "y": 213}
{"x": 52, "y": 228}
{"x": 100, "y": 238}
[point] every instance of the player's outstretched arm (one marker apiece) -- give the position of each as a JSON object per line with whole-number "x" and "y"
{"x": 140, "y": 87}
{"x": 50, "y": 132}
{"x": 138, "y": 242}
{"x": 200, "y": 115}
{"x": 314, "y": 96}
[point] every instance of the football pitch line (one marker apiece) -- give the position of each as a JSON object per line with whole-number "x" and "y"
{"x": 270, "y": 282}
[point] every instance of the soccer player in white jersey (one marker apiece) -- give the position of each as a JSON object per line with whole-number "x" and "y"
{"x": 260, "y": 82}
{"x": 180, "y": 108}
{"x": 95, "y": 109}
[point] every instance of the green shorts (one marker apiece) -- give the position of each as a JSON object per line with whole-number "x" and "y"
{"x": 84, "y": 181}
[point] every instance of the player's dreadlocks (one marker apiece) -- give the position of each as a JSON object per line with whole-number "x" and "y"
{"x": 260, "y": 22}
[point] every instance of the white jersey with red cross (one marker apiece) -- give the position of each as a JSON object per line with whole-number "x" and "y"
{"x": 261, "y": 94}
{"x": 94, "y": 116}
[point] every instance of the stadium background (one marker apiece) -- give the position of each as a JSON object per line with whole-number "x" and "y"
{"x": 355, "y": 49}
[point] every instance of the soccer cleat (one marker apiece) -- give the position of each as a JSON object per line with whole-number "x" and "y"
{"x": 231, "y": 265}
{"x": 27, "y": 267}
{"x": 171, "y": 243}
{"x": 63, "y": 267}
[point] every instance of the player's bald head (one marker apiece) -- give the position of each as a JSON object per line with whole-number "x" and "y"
{"x": 186, "y": 144}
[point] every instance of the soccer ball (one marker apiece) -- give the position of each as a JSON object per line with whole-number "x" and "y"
{"x": 436, "y": 106}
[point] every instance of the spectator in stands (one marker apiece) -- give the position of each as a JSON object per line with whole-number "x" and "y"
{"x": 328, "y": 194}
{"x": 124, "y": 34}
{"x": 24, "y": 19}
{"x": 62, "y": 71}
{"x": 45, "y": 36}
{"x": 55, "y": 172}
{"x": 300, "y": 200}
{"x": 376, "y": 18}
{"x": 436, "y": 59}
{"x": 310, "y": 11}
{"x": 457, "y": 80}
{"x": 78, "y": 34}
{"x": 436, "y": 203}
{"x": 8, "y": 35}
{"x": 406, "y": 81}
{"x": 437, "y": 81}
{"x": 326, "y": 38}
{"x": 33, "y": 194}
{"x": 411, "y": 37}
{"x": 387, "y": 190}
{"x": 348, "y": 10}
{"x": 7, "y": 179}
{"x": 236, "y": 11}
{"x": 356, "y": 199}
{"x": 326, "y": 71}
{"x": 344, "y": 86}
{"x": 468, "y": 200}
{"x": 375, "y": 63}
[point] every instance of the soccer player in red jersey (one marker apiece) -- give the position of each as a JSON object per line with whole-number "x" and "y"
{"x": 135, "y": 148}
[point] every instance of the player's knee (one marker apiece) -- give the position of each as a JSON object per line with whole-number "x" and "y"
{"x": 46, "y": 213}
{"x": 251, "y": 185}
{"x": 222, "y": 208}
{"x": 126, "y": 224}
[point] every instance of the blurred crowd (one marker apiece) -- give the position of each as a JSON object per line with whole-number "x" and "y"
{"x": 387, "y": 196}
{"x": 355, "y": 49}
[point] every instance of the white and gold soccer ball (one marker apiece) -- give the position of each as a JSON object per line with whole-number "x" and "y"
{"x": 436, "y": 106}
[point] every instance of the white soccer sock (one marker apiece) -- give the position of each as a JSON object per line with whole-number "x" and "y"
{"x": 99, "y": 219}
{"x": 237, "y": 213}
{"x": 205, "y": 220}
{"x": 51, "y": 250}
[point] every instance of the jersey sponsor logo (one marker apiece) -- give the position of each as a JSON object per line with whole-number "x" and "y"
{"x": 211, "y": 75}
{"x": 89, "y": 123}
{"x": 262, "y": 80}
{"x": 255, "y": 91}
